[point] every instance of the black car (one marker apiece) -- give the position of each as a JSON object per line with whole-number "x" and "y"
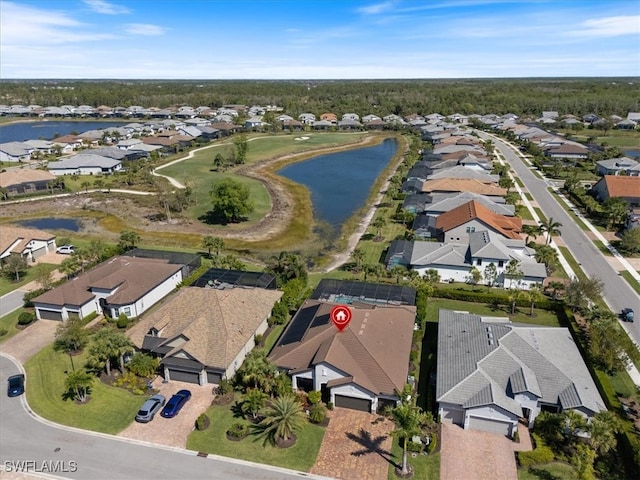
{"x": 16, "y": 385}
{"x": 627, "y": 315}
{"x": 175, "y": 404}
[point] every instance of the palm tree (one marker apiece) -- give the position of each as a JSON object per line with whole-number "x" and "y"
{"x": 531, "y": 231}
{"x": 254, "y": 401}
{"x": 108, "y": 344}
{"x": 358, "y": 255}
{"x": 513, "y": 272}
{"x": 287, "y": 266}
{"x": 603, "y": 429}
{"x": 378, "y": 224}
{"x": 490, "y": 274}
{"x": 551, "y": 228}
{"x": 212, "y": 243}
{"x": 555, "y": 287}
{"x": 285, "y": 417}
{"x": 615, "y": 210}
{"x": 408, "y": 419}
{"x": 79, "y": 383}
{"x": 547, "y": 255}
{"x": 129, "y": 239}
{"x": 535, "y": 296}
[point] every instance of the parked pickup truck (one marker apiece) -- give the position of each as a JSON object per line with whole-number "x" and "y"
{"x": 626, "y": 315}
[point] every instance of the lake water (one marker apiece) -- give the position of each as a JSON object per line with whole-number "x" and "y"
{"x": 632, "y": 153}
{"x": 19, "y": 132}
{"x": 52, "y": 224}
{"x": 341, "y": 182}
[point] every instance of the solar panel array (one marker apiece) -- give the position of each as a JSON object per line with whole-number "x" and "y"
{"x": 299, "y": 325}
{"x": 378, "y": 293}
{"x": 217, "y": 276}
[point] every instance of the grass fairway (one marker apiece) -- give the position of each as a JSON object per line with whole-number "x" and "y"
{"x": 301, "y": 456}
{"x": 110, "y": 409}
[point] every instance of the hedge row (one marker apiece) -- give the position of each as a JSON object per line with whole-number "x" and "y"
{"x": 539, "y": 455}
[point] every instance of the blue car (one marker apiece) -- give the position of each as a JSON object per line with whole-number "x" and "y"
{"x": 175, "y": 404}
{"x": 16, "y": 385}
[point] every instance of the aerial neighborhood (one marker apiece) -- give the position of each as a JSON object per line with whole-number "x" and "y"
{"x": 468, "y": 312}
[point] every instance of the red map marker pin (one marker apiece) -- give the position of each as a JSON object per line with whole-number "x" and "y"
{"x": 340, "y": 316}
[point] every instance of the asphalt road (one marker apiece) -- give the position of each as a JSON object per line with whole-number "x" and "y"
{"x": 88, "y": 456}
{"x": 617, "y": 293}
{"x": 11, "y": 301}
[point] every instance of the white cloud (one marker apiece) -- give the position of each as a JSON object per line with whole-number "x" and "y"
{"x": 144, "y": 29}
{"x": 100, "y": 6}
{"x": 376, "y": 8}
{"x": 608, "y": 27}
{"x": 22, "y": 25}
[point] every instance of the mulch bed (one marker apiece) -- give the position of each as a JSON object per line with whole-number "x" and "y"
{"x": 290, "y": 442}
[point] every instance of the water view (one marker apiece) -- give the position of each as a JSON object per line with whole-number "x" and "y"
{"x": 53, "y": 224}
{"x": 340, "y": 182}
{"x": 19, "y": 132}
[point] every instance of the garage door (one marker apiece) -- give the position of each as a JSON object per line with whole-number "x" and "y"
{"x": 491, "y": 426}
{"x": 214, "y": 377}
{"x": 183, "y": 376}
{"x": 361, "y": 404}
{"x": 50, "y": 315}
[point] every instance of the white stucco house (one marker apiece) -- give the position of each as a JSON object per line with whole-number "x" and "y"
{"x": 121, "y": 285}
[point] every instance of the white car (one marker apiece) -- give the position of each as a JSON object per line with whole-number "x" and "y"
{"x": 65, "y": 249}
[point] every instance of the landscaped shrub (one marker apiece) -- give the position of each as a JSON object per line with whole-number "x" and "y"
{"x": 238, "y": 430}
{"x": 29, "y": 296}
{"x": 492, "y": 297}
{"x": 3, "y": 332}
{"x": 433, "y": 444}
{"x": 414, "y": 447}
{"x": 540, "y": 454}
{"x": 224, "y": 387}
{"x": 202, "y": 422}
{"x": 122, "y": 321}
{"x": 314, "y": 397}
{"x": 91, "y": 316}
{"x": 317, "y": 413}
{"x": 330, "y": 405}
{"x": 133, "y": 383}
{"x": 257, "y": 338}
{"x": 25, "y": 318}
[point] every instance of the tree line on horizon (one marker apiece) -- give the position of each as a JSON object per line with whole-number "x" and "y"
{"x": 524, "y": 97}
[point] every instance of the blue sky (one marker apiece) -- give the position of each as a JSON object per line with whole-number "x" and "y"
{"x": 318, "y": 39}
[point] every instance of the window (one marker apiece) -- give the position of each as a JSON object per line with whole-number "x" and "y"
{"x": 501, "y": 263}
{"x": 471, "y": 229}
{"x": 479, "y": 261}
{"x": 127, "y": 311}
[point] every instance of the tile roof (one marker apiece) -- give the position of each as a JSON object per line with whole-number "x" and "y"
{"x": 509, "y": 227}
{"x": 373, "y": 349}
{"x": 134, "y": 276}
{"x": 24, "y": 175}
{"x": 217, "y": 323}
{"x": 10, "y": 234}
{"x": 462, "y": 185}
{"x": 622, "y": 186}
{"x": 482, "y": 362}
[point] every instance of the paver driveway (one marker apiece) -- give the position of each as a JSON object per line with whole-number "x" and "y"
{"x": 172, "y": 431}
{"x": 26, "y": 343}
{"x": 356, "y": 445}
{"x": 475, "y": 455}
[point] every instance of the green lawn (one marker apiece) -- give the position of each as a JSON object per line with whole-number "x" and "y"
{"x": 301, "y": 456}
{"x": 8, "y": 323}
{"x": 631, "y": 281}
{"x": 549, "y": 471}
{"x": 109, "y": 410}
{"x": 7, "y": 285}
{"x": 572, "y": 262}
{"x": 540, "y": 317}
{"x": 271, "y": 340}
{"x": 425, "y": 467}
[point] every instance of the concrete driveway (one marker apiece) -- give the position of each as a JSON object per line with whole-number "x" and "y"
{"x": 355, "y": 445}
{"x": 475, "y": 455}
{"x": 172, "y": 431}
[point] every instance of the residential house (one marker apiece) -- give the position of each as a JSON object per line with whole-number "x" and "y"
{"x": 617, "y": 166}
{"x": 361, "y": 367}
{"x": 567, "y": 151}
{"x": 85, "y": 164}
{"x": 624, "y": 187}
{"x": 15, "y": 152}
{"x": 29, "y": 243}
{"x": 456, "y": 185}
{"x": 121, "y": 285}
{"x": 332, "y": 118}
{"x": 24, "y": 181}
{"x": 492, "y": 373}
{"x": 203, "y": 335}
{"x": 307, "y": 118}
{"x": 456, "y": 225}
